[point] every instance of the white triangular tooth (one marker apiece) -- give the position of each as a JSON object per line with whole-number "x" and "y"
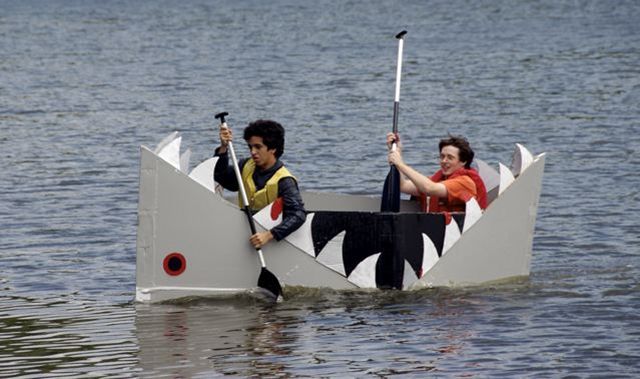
{"x": 203, "y": 173}
{"x": 165, "y": 141}
{"x": 331, "y": 254}
{"x": 472, "y": 214}
{"x": 409, "y": 276}
{"x": 522, "y": 159}
{"x": 429, "y": 254}
{"x": 364, "y": 275}
{"x": 303, "y": 240}
{"x": 451, "y": 235}
{"x": 184, "y": 161}
{"x": 171, "y": 152}
{"x": 490, "y": 177}
{"x": 506, "y": 178}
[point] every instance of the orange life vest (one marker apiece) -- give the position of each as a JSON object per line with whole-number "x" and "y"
{"x": 481, "y": 192}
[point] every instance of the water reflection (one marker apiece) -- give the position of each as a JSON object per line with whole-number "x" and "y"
{"x": 64, "y": 336}
{"x": 224, "y": 336}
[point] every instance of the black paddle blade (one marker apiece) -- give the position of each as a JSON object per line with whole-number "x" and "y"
{"x": 270, "y": 283}
{"x": 391, "y": 192}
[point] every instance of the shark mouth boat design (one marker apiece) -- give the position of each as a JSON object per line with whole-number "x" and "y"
{"x": 192, "y": 241}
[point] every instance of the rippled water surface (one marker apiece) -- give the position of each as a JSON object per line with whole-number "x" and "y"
{"x": 84, "y": 83}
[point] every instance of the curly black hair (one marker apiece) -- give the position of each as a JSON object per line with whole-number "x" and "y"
{"x": 272, "y": 134}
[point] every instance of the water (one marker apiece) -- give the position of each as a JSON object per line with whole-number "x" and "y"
{"x": 84, "y": 83}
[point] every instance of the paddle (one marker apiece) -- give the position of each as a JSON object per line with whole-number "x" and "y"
{"x": 391, "y": 189}
{"x": 267, "y": 280}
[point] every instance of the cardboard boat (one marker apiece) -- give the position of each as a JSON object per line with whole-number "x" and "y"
{"x": 192, "y": 241}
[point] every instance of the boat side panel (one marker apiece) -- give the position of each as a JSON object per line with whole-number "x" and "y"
{"x": 208, "y": 231}
{"x": 146, "y": 210}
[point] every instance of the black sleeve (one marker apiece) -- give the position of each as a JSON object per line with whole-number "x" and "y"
{"x": 223, "y": 173}
{"x": 293, "y": 212}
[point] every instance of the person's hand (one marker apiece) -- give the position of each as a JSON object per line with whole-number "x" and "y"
{"x": 395, "y": 158}
{"x": 391, "y": 138}
{"x": 260, "y": 239}
{"x": 225, "y": 136}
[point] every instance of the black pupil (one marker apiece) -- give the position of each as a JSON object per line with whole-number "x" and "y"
{"x": 175, "y": 264}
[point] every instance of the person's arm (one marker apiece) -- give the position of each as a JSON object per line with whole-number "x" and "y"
{"x": 223, "y": 173}
{"x": 407, "y": 186}
{"x": 418, "y": 182}
{"x": 411, "y": 182}
{"x": 293, "y": 212}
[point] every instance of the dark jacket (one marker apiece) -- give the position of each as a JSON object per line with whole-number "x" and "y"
{"x": 293, "y": 212}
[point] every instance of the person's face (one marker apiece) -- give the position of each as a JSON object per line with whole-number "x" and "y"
{"x": 450, "y": 160}
{"x": 262, "y": 156}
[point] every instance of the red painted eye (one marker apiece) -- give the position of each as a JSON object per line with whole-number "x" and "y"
{"x": 276, "y": 208}
{"x": 174, "y": 264}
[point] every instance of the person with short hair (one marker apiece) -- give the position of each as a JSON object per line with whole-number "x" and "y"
{"x": 449, "y": 189}
{"x": 265, "y": 177}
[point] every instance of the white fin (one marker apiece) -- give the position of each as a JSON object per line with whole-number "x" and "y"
{"x": 171, "y": 152}
{"x": 522, "y": 159}
{"x": 429, "y": 255}
{"x": 203, "y": 173}
{"x": 165, "y": 141}
{"x": 331, "y": 255}
{"x": 364, "y": 275}
{"x": 409, "y": 276}
{"x": 472, "y": 213}
{"x": 506, "y": 178}
{"x": 451, "y": 235}
{"x": 303, "y": 240}
{"x": 184, "y": 161}
{"x": 489, "y": 175}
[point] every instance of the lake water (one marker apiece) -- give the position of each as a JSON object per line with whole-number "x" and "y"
{"x": 84, "y": 83}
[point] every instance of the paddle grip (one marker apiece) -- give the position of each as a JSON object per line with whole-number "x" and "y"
{"x": 221, "y": 116}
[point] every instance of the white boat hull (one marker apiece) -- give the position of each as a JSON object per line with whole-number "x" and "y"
{"x": 194, "y": 242}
